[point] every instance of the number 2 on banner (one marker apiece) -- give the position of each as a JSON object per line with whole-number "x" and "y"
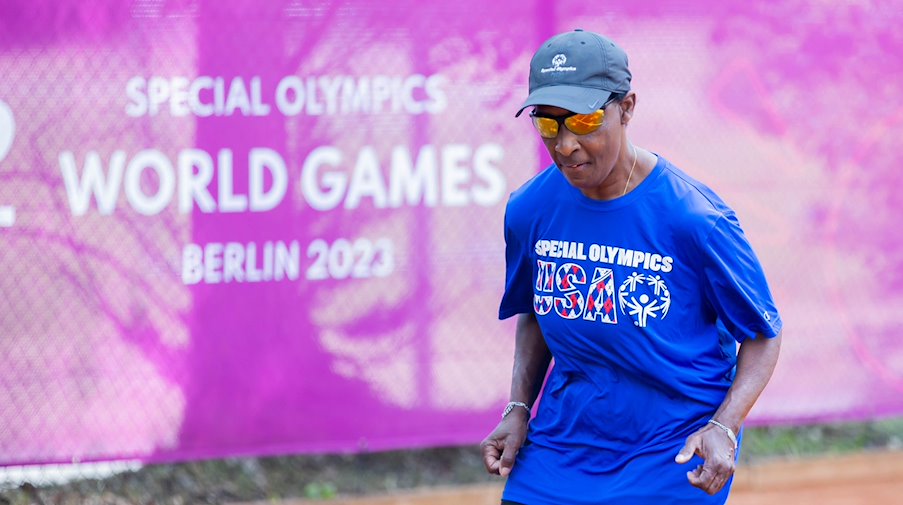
{"x": 343, "y": 259}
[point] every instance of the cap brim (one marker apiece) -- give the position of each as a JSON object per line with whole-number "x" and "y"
{"x": 573, "y": 98}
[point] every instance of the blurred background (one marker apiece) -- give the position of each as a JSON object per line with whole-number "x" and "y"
{"x": 253, "y": 250}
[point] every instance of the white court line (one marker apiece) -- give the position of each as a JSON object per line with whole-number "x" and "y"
{"x": 7, "y": 216}
{"x": 15, "y": 476}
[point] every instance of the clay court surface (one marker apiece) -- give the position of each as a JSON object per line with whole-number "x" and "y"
{"x": 841, "y": 480}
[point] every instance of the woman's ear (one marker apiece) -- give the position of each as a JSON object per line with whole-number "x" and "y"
{"x": 628, "y": 103}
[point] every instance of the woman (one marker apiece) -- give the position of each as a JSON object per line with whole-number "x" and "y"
{"x": 639, "y": 282}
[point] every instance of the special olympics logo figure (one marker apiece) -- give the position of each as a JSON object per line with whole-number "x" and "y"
{"x": 558, "y": 62}
{"x": 644, "y": 296}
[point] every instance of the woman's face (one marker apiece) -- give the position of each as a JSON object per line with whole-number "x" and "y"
{"x": 588, "y": 161}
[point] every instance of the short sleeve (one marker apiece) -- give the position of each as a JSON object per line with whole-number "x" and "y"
{"x": 518, "y": 296}
{"x": 735, "y": 285}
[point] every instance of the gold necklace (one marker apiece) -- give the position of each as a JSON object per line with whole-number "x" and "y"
{"x": 631, "y": 171}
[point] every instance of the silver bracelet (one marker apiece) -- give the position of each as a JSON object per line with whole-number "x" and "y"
{"x": 511, "y": 405}
{"x": 730, "y": 432}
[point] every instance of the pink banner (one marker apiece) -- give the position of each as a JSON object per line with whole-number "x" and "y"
{"x": 246, "y": 228}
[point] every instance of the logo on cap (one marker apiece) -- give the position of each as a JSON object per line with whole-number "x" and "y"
{"x": 557, "y": 65}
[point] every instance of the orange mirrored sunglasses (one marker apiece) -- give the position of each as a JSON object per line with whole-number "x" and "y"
{"x": 579, "y": 124}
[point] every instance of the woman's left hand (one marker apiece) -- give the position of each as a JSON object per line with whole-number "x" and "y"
{"x": 717, "y": 450}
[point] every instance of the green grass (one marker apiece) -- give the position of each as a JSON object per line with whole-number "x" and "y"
{"x": 839, "y": 438}
{"x": 324, "y": 477}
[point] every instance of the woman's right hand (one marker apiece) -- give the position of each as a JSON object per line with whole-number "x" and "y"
{"x": 501, "y": 446}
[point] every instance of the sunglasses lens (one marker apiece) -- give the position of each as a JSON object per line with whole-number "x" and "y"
{"x": 581, "y": 124}
{"x": 547, "y": 127}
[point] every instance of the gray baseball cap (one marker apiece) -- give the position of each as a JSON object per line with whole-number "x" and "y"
{"x": 577, "y": 71}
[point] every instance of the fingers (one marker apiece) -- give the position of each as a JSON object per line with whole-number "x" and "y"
{"x": 508, "y": 456}
{"x": 501, "y": 446}
{"x": 499, "y": 455}
{"x": 689, "y": 449}
{"x": 718, "y": 466}
{"x": 491, "y": 455}
{"x": 702, "y": 477}
{"x": 710, "y": 478}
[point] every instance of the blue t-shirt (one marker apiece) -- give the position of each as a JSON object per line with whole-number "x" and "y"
{"x": 641, "y": 300}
